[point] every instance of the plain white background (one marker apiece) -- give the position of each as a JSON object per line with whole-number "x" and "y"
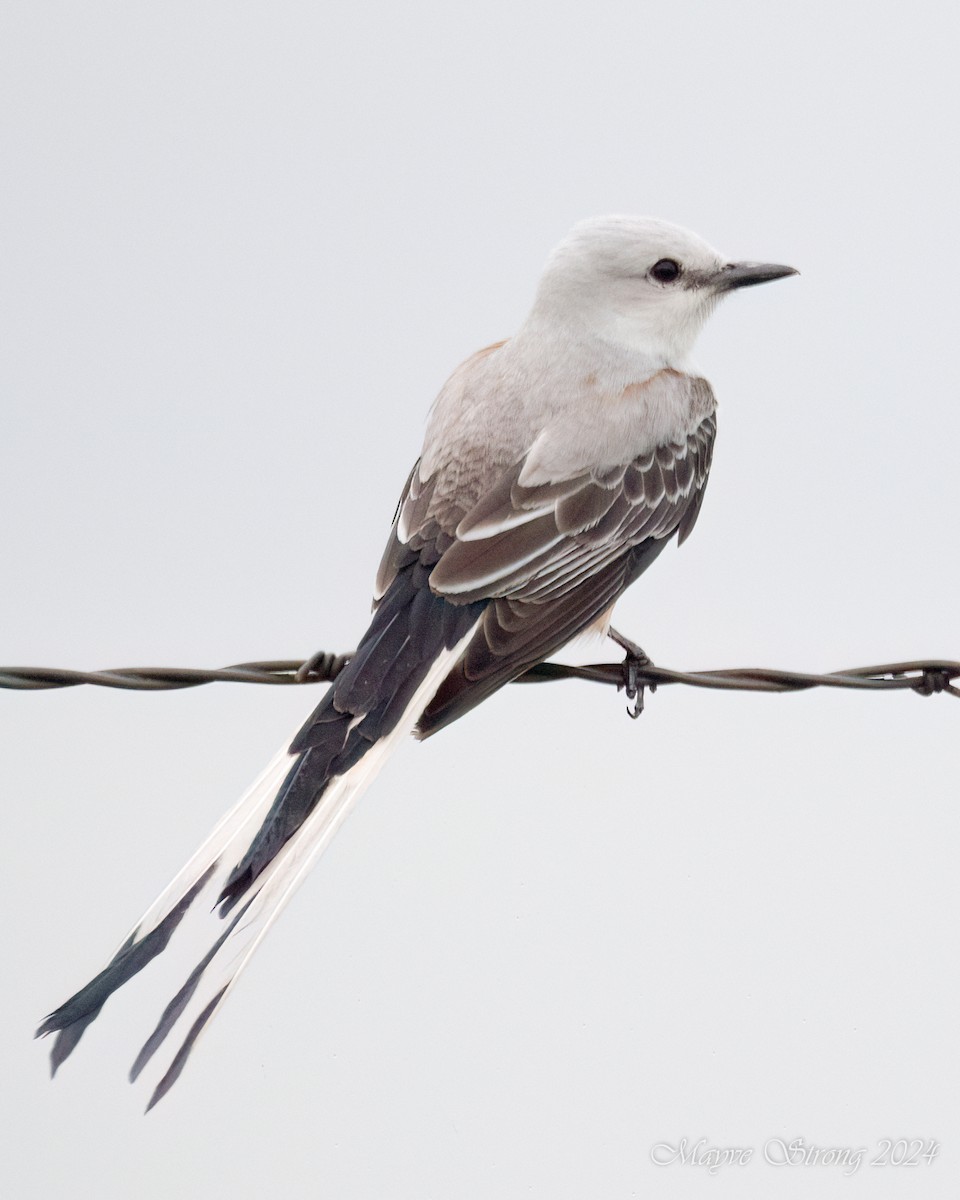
{"x": 243, "y": 244}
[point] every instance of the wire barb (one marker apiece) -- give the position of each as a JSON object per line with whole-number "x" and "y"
{"x": 924, "y": 676}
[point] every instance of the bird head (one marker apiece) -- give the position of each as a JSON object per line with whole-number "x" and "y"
{"x": 640, "y": 283}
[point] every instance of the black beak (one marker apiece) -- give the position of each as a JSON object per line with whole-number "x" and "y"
{"x": 738, "y": 275}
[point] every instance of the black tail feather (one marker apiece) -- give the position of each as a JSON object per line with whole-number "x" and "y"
{"x": 72, "y": 1018}
{"x": 180, "y": 1001}
{"x": 409, "y": 629}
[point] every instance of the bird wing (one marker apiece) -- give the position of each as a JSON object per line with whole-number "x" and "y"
{"x": 549, "y": 557}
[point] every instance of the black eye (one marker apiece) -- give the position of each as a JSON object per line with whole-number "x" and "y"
{"x": 665, "y": 271}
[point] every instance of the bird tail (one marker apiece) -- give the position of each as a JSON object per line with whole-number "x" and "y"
{"x": 295, "y": 807}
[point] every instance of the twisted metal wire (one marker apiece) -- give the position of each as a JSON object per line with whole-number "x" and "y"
{"x": 924, "y": 676}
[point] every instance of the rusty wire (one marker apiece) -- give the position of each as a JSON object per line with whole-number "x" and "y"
{"x": 925, "y": 676}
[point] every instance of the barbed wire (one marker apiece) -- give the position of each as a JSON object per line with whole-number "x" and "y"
{"x": 925, "y": 676}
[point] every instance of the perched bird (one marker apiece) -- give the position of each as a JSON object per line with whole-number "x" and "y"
{"x": 555, "y": 468}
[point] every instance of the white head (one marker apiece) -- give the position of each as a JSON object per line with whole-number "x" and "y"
{"x": 640, "y": 283}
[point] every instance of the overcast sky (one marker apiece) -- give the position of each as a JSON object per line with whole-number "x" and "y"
{"x": 242, "y": 246}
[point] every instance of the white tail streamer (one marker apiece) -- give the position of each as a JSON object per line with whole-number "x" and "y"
{"x": 237, "y": 935}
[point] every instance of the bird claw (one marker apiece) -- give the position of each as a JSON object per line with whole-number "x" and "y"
{"x": 636, "y": 660}
{"x": 634, "y": 689}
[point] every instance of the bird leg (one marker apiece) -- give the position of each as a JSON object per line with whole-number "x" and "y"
{"x": 636, "y": 659}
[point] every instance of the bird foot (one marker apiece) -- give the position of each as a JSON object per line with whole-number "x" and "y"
{"x": 635, "y": 661}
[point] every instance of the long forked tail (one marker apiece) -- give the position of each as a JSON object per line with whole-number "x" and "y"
{"x": 260, "y": 852}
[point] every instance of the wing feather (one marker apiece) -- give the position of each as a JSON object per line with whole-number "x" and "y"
{"x": 549, "y": 559}
{"x": 585, "y": 507}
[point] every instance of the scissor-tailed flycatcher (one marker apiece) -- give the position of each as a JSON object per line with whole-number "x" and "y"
{"x": 555, "y": 468}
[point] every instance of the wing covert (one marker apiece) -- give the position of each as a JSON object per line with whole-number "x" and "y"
{"x": 515, "y": 537}
{"x": 548, "y": 559}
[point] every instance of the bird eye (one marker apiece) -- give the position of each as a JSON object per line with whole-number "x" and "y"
{"x": 665, "y": 271}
